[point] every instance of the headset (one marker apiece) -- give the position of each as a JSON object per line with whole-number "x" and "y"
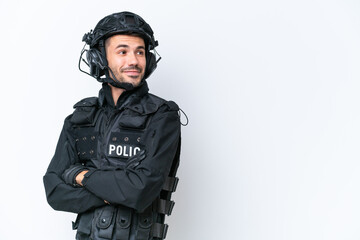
{"x": 117, "y": 23}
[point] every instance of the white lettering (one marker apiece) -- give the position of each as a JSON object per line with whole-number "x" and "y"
{"x": 137, "y": 149}
{"x": 111, "y": 148}
{"x": 125, "y": 154}
{"x": 119, "y": 150}
{"x": 130, "y": 151}
{"x": 123, "y": 151}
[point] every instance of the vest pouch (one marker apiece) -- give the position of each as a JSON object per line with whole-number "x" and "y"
{"x": 145, "y": 221}
{"x": 83, "y": 225}
{"x": 123, "y": 222}
{"x": 105, "y": 222}
{"x": 85, "y": 111}
{"x": 137, "y": 116}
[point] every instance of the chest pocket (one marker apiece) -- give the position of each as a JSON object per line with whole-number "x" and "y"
{"x": 128, "y": 139}
{"x": 125, "y": 144}
{"x": 137, "y": 116}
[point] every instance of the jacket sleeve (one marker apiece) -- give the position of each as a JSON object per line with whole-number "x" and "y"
{"x": 60, "y": 195}
{"x": 138, "y": 187}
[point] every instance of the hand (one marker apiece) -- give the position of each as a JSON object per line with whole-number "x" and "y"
{"x": 80, "y": 177}
{"x": 72, "y": 172}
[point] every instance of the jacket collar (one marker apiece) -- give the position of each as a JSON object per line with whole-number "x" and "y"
{"x": 105, "y": 96}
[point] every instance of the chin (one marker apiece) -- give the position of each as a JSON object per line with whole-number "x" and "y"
{"x": 135, "y": 82}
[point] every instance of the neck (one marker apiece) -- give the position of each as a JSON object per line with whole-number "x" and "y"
{"x": 116, "y": 93}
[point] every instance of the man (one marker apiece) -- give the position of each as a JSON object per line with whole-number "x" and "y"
{"x": 117, "y": 155}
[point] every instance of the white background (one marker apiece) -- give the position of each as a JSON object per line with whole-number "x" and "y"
{"x": 271, "y": 89}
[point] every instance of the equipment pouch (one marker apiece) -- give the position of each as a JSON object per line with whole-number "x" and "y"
{"x": 83, "y": 222}
{"x": 137, "y": 116}
{"x": 123, "y": 221}
{"x": 145, "y": 223}
{"x": 85, "y": 111}
{"x": 105, "y": 222}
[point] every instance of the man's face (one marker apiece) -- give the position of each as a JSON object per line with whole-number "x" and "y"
{"x": 126, "y": 58}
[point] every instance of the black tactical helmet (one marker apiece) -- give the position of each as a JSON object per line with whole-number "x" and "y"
{"x": 117, "y": 23}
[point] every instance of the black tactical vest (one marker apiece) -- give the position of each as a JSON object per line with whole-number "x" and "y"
{"x": 106, "y": 140}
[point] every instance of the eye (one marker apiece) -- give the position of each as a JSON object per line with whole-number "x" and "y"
{"x": 140, "y": 52}
{"x": 122, "y": 52}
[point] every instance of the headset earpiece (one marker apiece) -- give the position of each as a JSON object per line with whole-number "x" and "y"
{"x": 96, "y": 61}
{"x": 151, "y": 64}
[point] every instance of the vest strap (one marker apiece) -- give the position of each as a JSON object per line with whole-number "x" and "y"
{"x": 163, "y": 206}
{"x": 171, "y": 184}
{"x": 159, "y": 230}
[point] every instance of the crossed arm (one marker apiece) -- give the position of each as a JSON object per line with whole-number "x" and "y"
{"x": 135, "y": 187}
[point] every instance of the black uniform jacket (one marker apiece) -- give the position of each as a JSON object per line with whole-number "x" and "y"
{"x": 104, "y": 136}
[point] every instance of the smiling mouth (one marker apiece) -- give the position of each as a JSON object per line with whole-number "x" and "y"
{"x": 133, "y": 72}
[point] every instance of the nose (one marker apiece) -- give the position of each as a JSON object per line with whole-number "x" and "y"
{"x": 132, "y": 59}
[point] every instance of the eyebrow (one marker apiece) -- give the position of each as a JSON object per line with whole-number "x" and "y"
{"x": 127, "y": 46}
